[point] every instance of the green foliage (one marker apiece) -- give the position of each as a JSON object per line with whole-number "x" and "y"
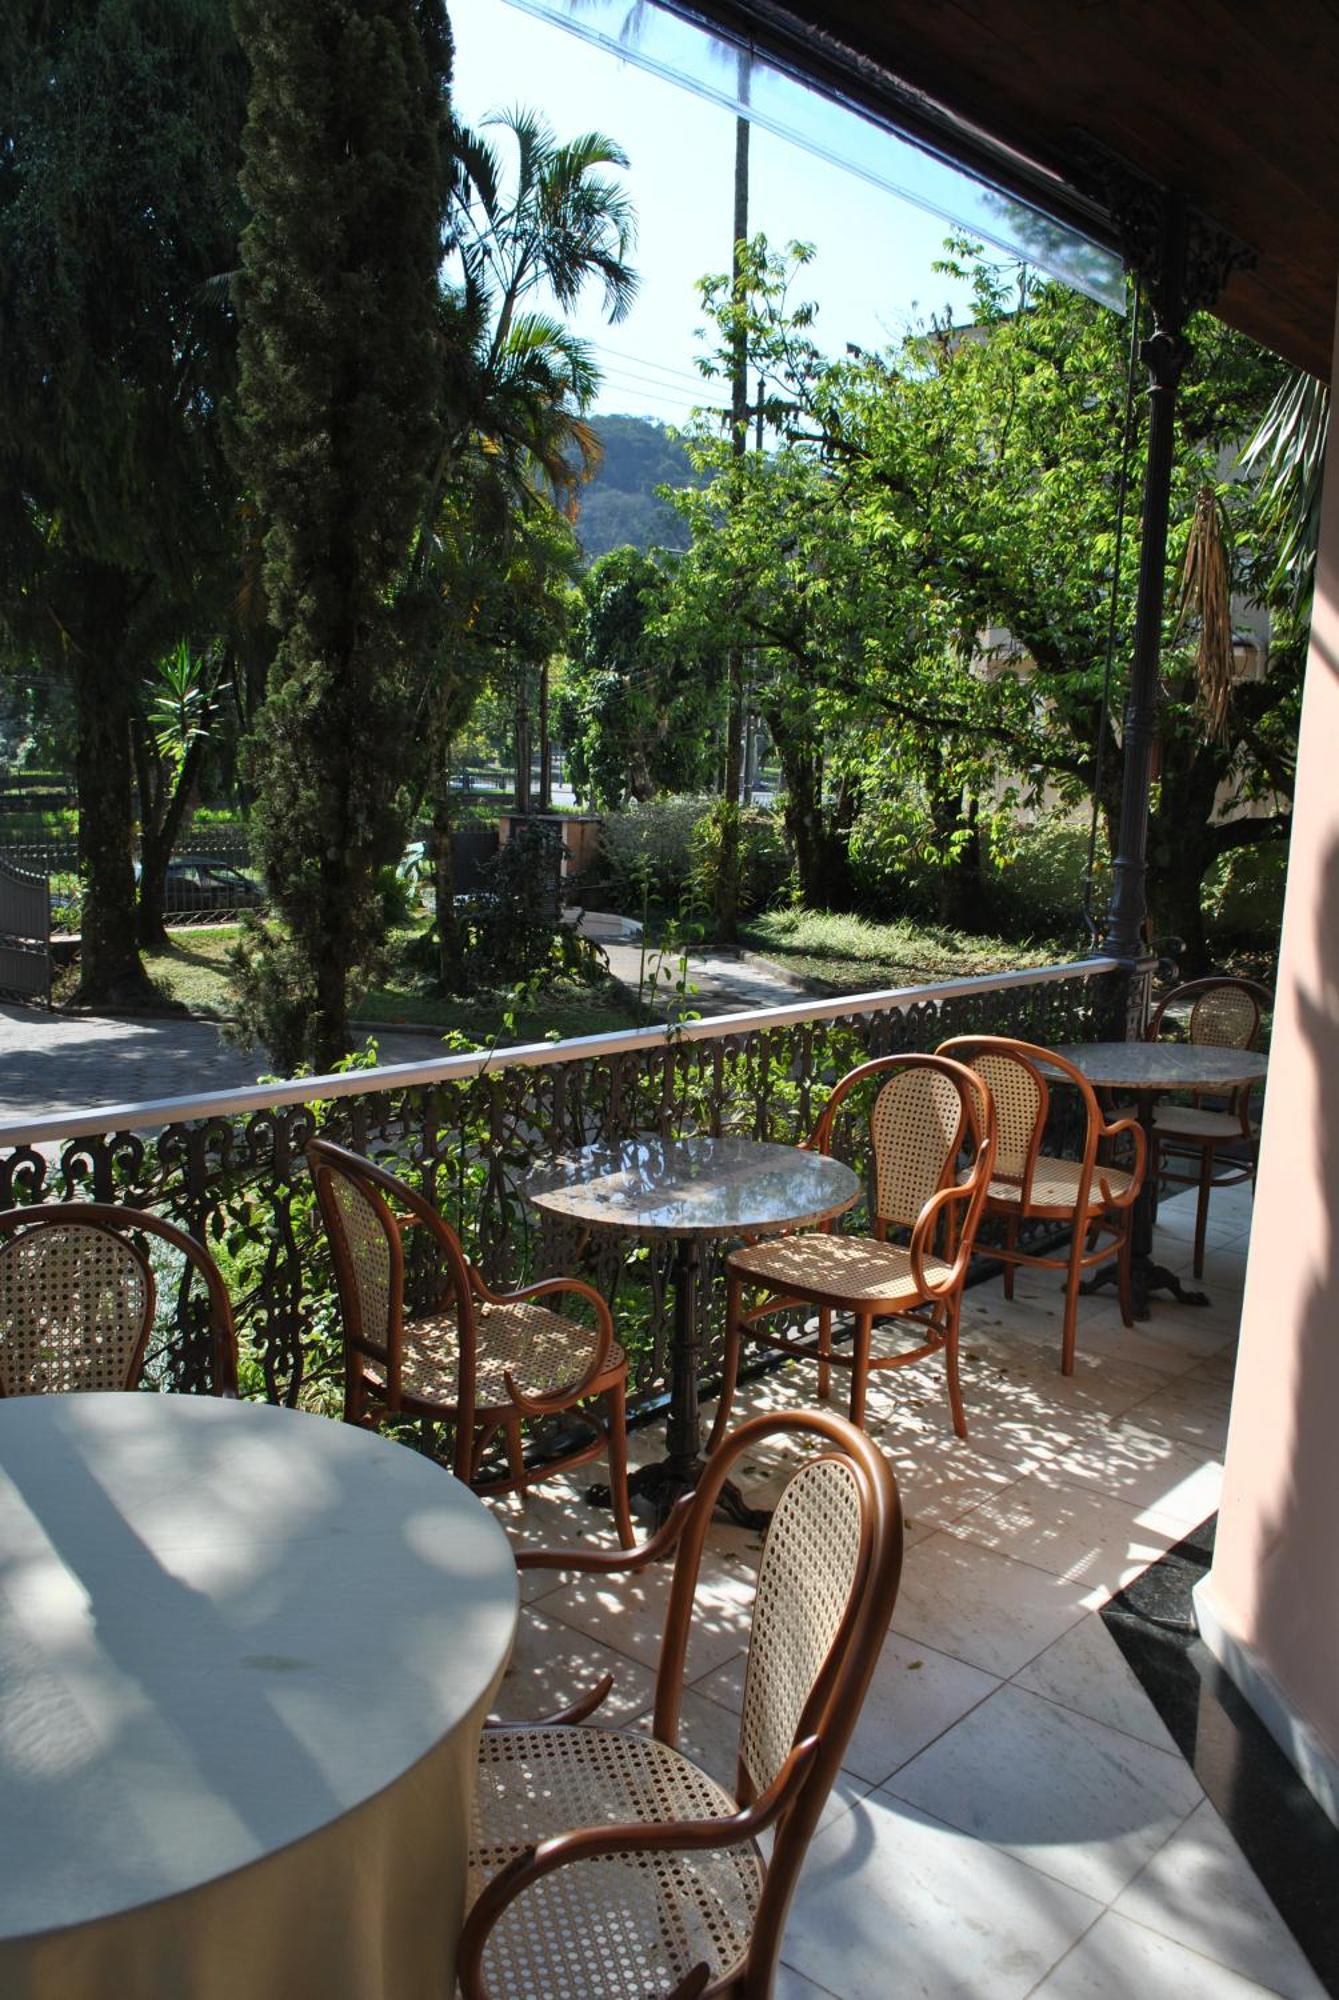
{"x": 119, "y": 129}
{"x": 661, "y": 854}
{"x": 338, "y": 427}
{"x": 918, "y": 567}
{"x": 635, "y": 712}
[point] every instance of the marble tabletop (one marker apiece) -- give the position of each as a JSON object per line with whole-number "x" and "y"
{"x": 694, "y": 1187}
{"x": 1156, "y": 1066}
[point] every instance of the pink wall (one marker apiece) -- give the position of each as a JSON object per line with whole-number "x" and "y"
{"x": 1274, "y": 1590}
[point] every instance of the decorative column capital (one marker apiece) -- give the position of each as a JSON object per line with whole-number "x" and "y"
{"x": 1182, "y": 258}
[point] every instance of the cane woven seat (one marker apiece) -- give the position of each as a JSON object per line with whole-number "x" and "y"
{"x": 1056, "y": 1184}
{"x": 1196, "y": 1121}
{"x": 606, "y": 1865}
{"x": 1219, "y": 1013}
{"x": 542, "y": 1352}
{"x": 1094, "y": 1196}
{"x": 840, "y": 1270}
{"x": 450, "y": 1364}
{"x": 626, "y": 1926}
{"x": 925, "y": 1116}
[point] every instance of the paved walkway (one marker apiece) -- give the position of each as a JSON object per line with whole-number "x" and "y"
{"x": 67, "y": 1062}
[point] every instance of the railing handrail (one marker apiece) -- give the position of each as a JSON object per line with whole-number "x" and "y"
{"x": 60, "y": 1126}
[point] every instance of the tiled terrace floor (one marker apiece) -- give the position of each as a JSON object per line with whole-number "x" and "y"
{"x": 1013, "y": 1818}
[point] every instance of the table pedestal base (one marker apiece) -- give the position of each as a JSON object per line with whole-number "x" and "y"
{"x": 661, "y": 1485}
{"x": 1146, "y": 1277}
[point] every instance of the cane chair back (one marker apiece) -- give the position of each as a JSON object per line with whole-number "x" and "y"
{"x": 605, "y": 1863}
{"x": 807, "y": 1577}
{"x": 916, "y": 1130}
{"x": 367, "y": 1244}
{"x": 1224, "y": 1013}
{"x": 1022, "y": 1100}
{"x": 78, "y": 1299}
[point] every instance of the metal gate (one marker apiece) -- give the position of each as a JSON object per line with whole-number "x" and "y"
{"x": 25, "y": 934}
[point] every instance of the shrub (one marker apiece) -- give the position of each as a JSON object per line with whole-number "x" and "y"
{"x": 1034, "y": 885}
{"x": 1243, "y": 895}
{"x": 656, "y": 853}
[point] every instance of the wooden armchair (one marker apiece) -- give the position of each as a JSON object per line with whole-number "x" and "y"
{"x": 925, "y": 1113}
{"x": 77, "y": 1298}
{"x": 604, "y": 1864}
{"x": 1093, "y": 1196}
{"x": 480, "y": 1360}
{"x": 1224, "y": 1014}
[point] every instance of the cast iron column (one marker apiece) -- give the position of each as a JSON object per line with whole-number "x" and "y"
{"x": 1164, "y": 353}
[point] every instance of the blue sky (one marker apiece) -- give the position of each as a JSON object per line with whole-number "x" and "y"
{"x": 872, "y": 276}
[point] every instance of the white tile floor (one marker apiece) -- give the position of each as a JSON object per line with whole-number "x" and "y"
{"x": 1013, "y": 1818}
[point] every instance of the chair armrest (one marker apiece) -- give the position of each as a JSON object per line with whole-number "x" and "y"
{"x": 592, "y": 1562}
{"x": 574, "y": 1392}
{"x": 585, "y": 1705}
{"x": 922, "y": 1242}
{"x": 594, "y": 1843}
{"x": 1123, "y": 1128}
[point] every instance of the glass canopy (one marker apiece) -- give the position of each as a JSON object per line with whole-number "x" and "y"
{"x": 736, "y": 77}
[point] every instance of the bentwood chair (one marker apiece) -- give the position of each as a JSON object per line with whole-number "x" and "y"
{"x": 925, "y": 1112}
{"x": 1090, "y": 1195}
{"x": 482, "y": 1361}
{"x": 1223, "y": 1014}
{"x": 605, "y": 1864}
{"x": 78, "y": 1296}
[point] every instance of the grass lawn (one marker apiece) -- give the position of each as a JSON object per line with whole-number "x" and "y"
{"x": 853, "y": 955}
{"x": 194, "y": 971}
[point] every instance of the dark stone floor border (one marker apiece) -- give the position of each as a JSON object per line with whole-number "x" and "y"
{"x": 1290, "y": 1843}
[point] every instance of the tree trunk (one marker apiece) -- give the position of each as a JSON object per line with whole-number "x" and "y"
{"x": 110, "y": 972}
{"x": 545, "y": 747}
{"x": 160, "y": 829}
{"x": 450, "y": 939}
{"x": 960, "y": 889}
{"x": 822, "y": 857}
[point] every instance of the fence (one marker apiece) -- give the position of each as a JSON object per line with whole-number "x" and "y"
{"x": 25, "y": 933}
{"x": 469, "y": 1129}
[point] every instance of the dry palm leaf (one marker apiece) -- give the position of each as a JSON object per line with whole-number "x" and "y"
{"x": 1206, "y": 597}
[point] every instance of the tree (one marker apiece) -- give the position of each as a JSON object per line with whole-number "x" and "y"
{"x": 637, "y": 714}
{"x": 964, "y": 482}
{"x": 119, "y": 129}
{"x": 516, "y": 444}
{"x": 339, "y": 426}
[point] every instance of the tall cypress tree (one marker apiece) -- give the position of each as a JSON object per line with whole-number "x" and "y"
{"x": 338, "y": 424}
{"x": 120, "y": 122}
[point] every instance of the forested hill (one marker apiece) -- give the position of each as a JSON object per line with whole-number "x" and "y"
{"x": 620, "y": 506}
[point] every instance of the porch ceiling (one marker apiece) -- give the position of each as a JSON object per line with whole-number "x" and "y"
{"x": 1229, "y": 102}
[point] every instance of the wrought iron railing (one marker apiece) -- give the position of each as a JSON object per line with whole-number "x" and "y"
{"x": 469, "y": 1129}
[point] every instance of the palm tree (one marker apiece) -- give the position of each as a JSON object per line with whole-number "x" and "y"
{"x": 520, "y": 385}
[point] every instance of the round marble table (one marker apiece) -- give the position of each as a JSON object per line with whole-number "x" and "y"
{"x": 245, "y": 1655}
{"x": 1148, "y": 1070}
{"x": 690, "y": 1190}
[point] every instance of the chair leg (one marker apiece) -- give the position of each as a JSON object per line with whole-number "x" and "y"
{"x": 955, "y": 1402}
{"x": 824, "y": 1349}
{"x": 616, "y": 1404}
{"x": 1010, "y": 1242}
{"x": 860, "y": 1368}
{"x": 515, "y": 1455}
{"x": 1073, "y": 1277}
{"x": 1202, "y": 1210}
{"x": 1124, "y": 1264}
{"x": 729, "y": 1364}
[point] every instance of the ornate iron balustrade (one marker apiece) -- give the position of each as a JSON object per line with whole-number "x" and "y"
{"x": 468, "y": 1130}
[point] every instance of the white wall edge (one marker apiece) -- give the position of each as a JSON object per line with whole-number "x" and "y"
{"x": 1315, "y": 1763}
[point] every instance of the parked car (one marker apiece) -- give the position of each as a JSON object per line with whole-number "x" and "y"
{"x": 199, "y": 882}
